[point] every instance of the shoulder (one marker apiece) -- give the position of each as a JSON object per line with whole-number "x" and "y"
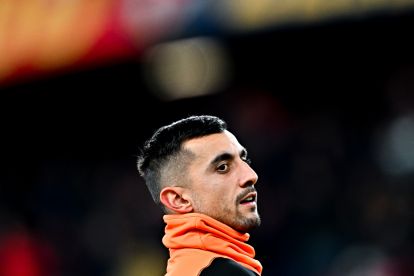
{"x": 225, "y": 266}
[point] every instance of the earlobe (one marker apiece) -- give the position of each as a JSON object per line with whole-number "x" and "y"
{"x": 173, "y": 198}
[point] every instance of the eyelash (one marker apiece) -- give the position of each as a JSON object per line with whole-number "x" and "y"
{"x": 221, "y": 165}
{"x": 247, "y": 160}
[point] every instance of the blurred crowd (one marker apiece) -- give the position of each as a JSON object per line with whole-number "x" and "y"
{"x": 335, "y": 189}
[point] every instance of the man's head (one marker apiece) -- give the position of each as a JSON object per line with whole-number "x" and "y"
{"x": 197, "y": 165}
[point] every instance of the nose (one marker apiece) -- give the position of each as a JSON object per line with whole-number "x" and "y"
{"x": 249, "y": 176}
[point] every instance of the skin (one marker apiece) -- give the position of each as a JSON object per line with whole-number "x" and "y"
{"x": 219, "y": 178}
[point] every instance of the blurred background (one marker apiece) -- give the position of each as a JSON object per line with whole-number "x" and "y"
{"x": 320, "y": 93}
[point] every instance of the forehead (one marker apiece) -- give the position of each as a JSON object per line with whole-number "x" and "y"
{"x": 210, "y": 145}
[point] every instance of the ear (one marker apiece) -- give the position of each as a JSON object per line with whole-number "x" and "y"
{"x": 175, "y": 199}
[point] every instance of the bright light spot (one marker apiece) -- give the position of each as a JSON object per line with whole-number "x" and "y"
{"x": 186, "y": 68}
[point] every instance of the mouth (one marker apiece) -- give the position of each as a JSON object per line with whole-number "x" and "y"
{"x": 249, "y": 199}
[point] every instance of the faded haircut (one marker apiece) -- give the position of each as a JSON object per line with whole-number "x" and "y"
{"x": 162, "y": 156}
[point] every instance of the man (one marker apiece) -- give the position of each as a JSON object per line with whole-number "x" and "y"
{"x": 199, "y": 174}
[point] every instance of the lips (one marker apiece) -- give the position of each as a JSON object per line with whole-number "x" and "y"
{"x": 248, "y": 198}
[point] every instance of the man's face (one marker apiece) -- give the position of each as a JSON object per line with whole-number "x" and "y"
{"x": 222, "y": 182}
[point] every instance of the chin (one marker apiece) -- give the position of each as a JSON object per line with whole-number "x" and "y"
{"x": 248, "y": 223}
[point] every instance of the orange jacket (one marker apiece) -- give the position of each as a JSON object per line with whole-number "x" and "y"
{"x": 194, "y": 240}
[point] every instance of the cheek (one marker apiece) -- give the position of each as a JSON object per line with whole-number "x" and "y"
{"x": 224, "y": 194}
{"x": 213, "y": 190}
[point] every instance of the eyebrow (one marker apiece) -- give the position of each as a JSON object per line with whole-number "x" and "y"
{"x": 227, "y": 156}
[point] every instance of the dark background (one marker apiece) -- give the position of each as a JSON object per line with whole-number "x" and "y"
{"x": 310, "y": 102}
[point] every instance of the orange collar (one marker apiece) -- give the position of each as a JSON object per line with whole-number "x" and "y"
{"x": 199, "y": 231}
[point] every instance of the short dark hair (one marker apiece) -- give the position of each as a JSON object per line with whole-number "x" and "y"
{"x": 165, "y": 144}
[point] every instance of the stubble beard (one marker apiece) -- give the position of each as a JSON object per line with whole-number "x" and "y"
{"x": 245, "y": 223}
{"x": 241, "y": 222}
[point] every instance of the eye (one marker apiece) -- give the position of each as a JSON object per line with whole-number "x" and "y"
{"x": 223, "y": 167}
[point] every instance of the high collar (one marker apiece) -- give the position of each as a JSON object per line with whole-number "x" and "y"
{"x": 194, "y": 230}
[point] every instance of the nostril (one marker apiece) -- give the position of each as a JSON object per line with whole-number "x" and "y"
{"x": 249, "y": 183}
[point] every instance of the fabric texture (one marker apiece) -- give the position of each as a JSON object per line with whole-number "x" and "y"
{"x": 195, "y": 240}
